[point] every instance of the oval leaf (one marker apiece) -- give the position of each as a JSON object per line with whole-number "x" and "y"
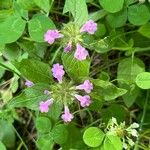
{"x": 38, "y": 26}
{"x": 93, "y": 137}
{"x": 143, "y": 80}
{"x": 107, "y": 5}
{"x": 77, "y": 70}
{"x": 11, "y": 29}
{"x": 43, "y": 124}
{"x": 112, "y": 143}
{"x": 60, "y": 134}
{"x": 35, "y": 70}
{"x": 135, "y": 14}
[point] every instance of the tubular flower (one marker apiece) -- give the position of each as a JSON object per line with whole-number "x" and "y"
{"x": 51, "y": 35}
{"x": 58, "y": 72}
{"x": 44, "y": 106}
{"x": 84, "y": 100}
{"x": 90, "y": 27}
{"x": 87, "y": 86}
{"x": 67, "y": 116}
{"x": 81, "y": 53}
{"x": 29, "y": 83}
{"x": 68, "y": 47}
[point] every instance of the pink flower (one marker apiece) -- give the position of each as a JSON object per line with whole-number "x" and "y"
{"x": 67, "y": 116}
{"x": 87, "y": 86}
{"x": 58, "y": 72}
{"x": 44, "y": 106}
{"x": 90, "y": 27}
{"x": 81, "y": 53}
{"x": 51, "y": 35}
{"x": 84, "y": 100}
{"x": 29, "y": 83}
{"x": 68, "y": 47}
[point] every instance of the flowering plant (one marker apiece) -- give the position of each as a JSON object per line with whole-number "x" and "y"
{"x": 74, "y": 74}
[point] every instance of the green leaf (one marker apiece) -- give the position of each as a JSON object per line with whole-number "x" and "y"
{"x": 7, "y": 134}
{"x": 26, "y": 4}
{"x": 77, "y": 70}
{"x": 2, "y": 70}
{"x": 107, "y": 90}
{"x": 128, "y": 69}
{"x": 55, "y": 111}
{"x": 97, "y": 15}
{"x": 118, "y": 111}
{"x": 6, "y": 4}
{"x": 38, "y": 26}
{"x": 43, "y": 4}
{"x": 128, "y": 2}
{"x": 2, "y": 146}
{"x": 145, "y": 30}
{"x": 143, "y": 80}
{"x": 93, "y": 137}
{"x": 112, "y": 143}
{"x": 132, "y": 93}
{"x": 11, "y": 29}
{"x": 112, "y": 6}
{"x": 74, "y": 141}
{"x": 43, "y": 124}
{"x": 4, "y": 14}
{"x": 11, "y": 51}
{"x": 60, "y": 134}
{"x": 35, "y": 70}
{"x": 118, "y": 19}
{"x": 78, "y": 10}
{"x": 20, "y": 11}
{"x": 45, "y": 142}
{"x": 30, "y": 97}
{"x": 100, "y": 45}
{"x": 135, "y": 14}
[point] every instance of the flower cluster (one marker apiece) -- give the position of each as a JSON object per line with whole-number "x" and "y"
{"x": 69, "y": 92}
{"x": 80, "y": 53}
{"x": 126, "y": 133}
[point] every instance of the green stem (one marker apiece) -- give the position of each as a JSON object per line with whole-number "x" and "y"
{"x": 4, "y": 66}
{"x": 55, "y": 55}
{"x": 142, "y": 119}
{"x": 23, "y": 143}
{"x": 98, "y": 120}
{"x": 130, "y": 32}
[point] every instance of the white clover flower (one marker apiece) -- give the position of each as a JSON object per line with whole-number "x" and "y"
{"x": 130, "y": 141}
{"x": 125, "y": 146}
{"x": 114, "y": 120}
{"x": 134, "y": 125}
{"x": 134, "y": 133}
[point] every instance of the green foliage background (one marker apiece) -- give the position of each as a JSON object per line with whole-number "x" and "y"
{"x": 118, "y": 67}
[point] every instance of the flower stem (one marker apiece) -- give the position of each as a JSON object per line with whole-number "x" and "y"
{"x": 142, "y": 120}
{"x": 55, "y": 55}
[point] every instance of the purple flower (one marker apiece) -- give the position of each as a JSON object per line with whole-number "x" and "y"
{"x": 46, "y": 92}
{"x": 44, "y": 105}
{"x": 84, "y": 100}
{"x": 67, "y": 116}
{"x": 58, "y": 72}
{"x": 81, "y": 53}
{"x": 68, "y": 47}
{"x": 87, "y": 86}
{"x": 29, "y": 83}
{"x": 51, "y": 35}
{"x": 90, "y": 27}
